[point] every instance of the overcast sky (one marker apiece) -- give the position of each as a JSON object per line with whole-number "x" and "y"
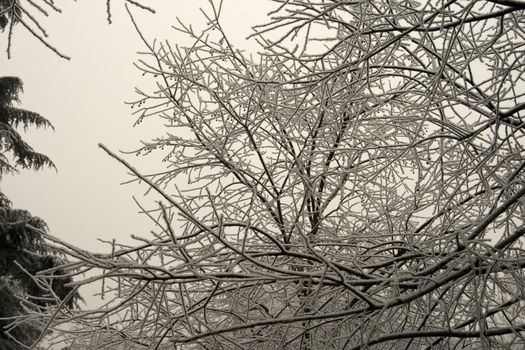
{"x": 84, "y": 99}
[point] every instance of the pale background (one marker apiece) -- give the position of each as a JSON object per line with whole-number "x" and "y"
{"x": 84, "y": 99}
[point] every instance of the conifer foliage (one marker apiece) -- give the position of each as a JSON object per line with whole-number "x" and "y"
{"x": 22, "y": 252}
{"x": 12, "y": 117}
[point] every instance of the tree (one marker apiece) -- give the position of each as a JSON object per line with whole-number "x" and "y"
{"x": 359, "y": 184}
{"x": 11, "y": 142}
{"x": 28, "y": 14}
{"x": 22, "y": 253}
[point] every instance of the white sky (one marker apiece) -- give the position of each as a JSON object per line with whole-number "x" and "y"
{"x": 84, "y": 99}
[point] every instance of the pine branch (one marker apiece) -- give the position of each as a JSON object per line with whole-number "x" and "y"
{"x": 17, "y": 116}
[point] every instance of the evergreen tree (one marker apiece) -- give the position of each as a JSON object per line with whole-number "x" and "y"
{"x": 22, "y": 252}
{"x": 10, "y": 140}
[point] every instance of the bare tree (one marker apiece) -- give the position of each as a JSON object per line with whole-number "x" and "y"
{"x": 29, "y": 13}
{"x": 358, "y": 184}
